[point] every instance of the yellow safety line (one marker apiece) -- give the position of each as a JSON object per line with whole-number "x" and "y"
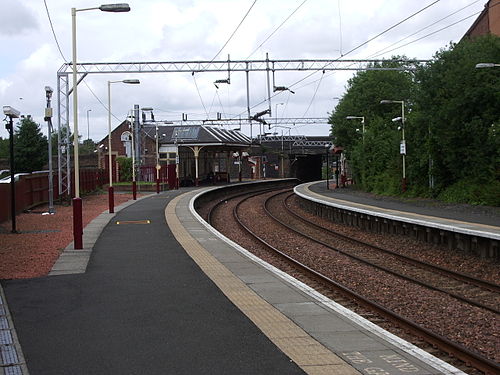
{"x": 306, "y": 352}
{"x": 134, "y": 222}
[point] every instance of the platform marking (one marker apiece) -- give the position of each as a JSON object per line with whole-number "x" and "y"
{"x": 133, "y": 222}
{"x": 310, "y": 355}
{"x": 396, "y": 212}
{"x": 474, "y": 229}
{"x": 407, "y": 350}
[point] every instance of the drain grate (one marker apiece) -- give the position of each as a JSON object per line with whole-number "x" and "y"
{"x": 133, "y": 222}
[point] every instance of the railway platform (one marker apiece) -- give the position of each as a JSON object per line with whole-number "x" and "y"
{"x": 474, "y": 230}
{"x": 156, "y": 291}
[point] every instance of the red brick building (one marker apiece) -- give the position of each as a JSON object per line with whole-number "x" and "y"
{"x": 488, "y": 21}
{"x": 121, "y": 146}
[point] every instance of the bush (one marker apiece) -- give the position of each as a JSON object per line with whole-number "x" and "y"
{"x": 125, "y": 165}
{"x": 472, "y": 192}
{"x": 385, "y": 184}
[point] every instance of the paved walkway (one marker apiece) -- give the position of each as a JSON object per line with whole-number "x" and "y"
{"x": 143, "y": 306}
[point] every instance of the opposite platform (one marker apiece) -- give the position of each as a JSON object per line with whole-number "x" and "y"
{"x": 472, "y": 229}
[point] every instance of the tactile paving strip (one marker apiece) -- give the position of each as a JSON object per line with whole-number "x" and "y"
{"x": 10, "y": 360}
{"x": 309, "y": 354}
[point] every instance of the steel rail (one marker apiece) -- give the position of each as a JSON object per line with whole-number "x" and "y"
{"x": 365, "y": 261}
{"x": 456, "y": 275}
{"x": 468, "y": 356}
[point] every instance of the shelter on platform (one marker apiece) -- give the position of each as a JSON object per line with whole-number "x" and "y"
{"x": 201, "y": 153}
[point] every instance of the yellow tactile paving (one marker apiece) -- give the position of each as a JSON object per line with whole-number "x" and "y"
{"x": 310, "y": 355}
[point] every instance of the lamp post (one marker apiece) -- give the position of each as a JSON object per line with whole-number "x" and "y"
{"x": 77, "y": 202}
{"x": 402, "y": 148}
{"x": 362, "y": 118}
{"x": 158, "y": 167}
{"x": 48, "y": 118}
{"x": 88, "y": 124}
{"x": 12, "y": 113}
{"x": 134, "y": 187}
{"x": 327, "y": 148}
{"x": 111, "y": 197}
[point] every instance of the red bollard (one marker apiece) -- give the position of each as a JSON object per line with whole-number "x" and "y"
{"x": 111, "y": 199}
{"x": 134, "y": 190}
{"x": 77, "y": 223}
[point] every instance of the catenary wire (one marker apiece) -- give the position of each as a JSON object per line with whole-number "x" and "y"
{"x": 199, "y": 94}
{"x": 422, "y": 29}
{"x": 234, "y": 32}
{"x": 355, "y": 48}
{"x": 275, "y": 30}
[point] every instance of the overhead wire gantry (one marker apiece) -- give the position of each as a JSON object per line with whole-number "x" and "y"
{"x": 263, "y": 65}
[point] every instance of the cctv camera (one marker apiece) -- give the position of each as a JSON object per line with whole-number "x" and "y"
{"x": 48, "y": 89}
{"x": 11, "y": 112}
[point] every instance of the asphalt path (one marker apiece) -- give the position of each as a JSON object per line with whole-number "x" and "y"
{"x": 142, "y": 307}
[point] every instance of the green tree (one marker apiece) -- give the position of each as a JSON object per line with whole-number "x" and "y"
{"x": 87, "y": 147}
{"x": 4, "y": 148}
{"x": 374, "y": 155}
{"x": 457, "y": 113}
{"x": 30, "y": 147}
{"x": 125, "y": 167}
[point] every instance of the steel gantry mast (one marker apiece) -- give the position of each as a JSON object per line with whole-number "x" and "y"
{"x": 265, "y": 65}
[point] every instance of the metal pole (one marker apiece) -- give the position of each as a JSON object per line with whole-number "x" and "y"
{"x": 48, "y": 118}
{"x": 134, "y": 186}
{"x": 403, "y": 140}
{"x": 157, "y": 163}
{"x": 77, "y": 202}
{"x": 12, "y": 175}
{"x": 88, "y": 124}
{"x": 137, "y": 135}
{"x": 248, "y": 101}
{"x": 268, "y": 84}
{"x": 327, "y": 176}
{"x": 111, "y": 195}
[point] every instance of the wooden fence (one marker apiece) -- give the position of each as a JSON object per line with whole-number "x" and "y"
{"x": 33, "y": 189}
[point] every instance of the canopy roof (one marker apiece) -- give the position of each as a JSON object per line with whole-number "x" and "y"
{"x": 198, "y": 135}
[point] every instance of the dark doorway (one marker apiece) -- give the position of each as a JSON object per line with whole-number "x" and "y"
{"x": 306, "y": 167}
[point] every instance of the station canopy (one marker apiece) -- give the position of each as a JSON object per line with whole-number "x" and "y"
{"x": 198, "y": 135}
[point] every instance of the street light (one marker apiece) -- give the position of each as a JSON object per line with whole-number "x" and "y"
{"x": 486, "y": 65}
{"x": 362, "y": 118}
{"x": 111, "y": 197}
{"x": 402, "y": 148}
{"x": 77, "y": 202}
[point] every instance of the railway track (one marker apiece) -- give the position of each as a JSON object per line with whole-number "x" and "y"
{"x": 468, "y": 289}
{"x": 475, "y": 292}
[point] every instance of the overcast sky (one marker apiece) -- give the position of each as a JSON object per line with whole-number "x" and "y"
{"x": 187, "y": 30}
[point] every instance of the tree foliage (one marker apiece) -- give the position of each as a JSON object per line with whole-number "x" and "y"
{"x": 4, "y": 148}
{"x": 452, "y": 113}
{"x": 30, "y": 147}
{"x": 374, "y": 152}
